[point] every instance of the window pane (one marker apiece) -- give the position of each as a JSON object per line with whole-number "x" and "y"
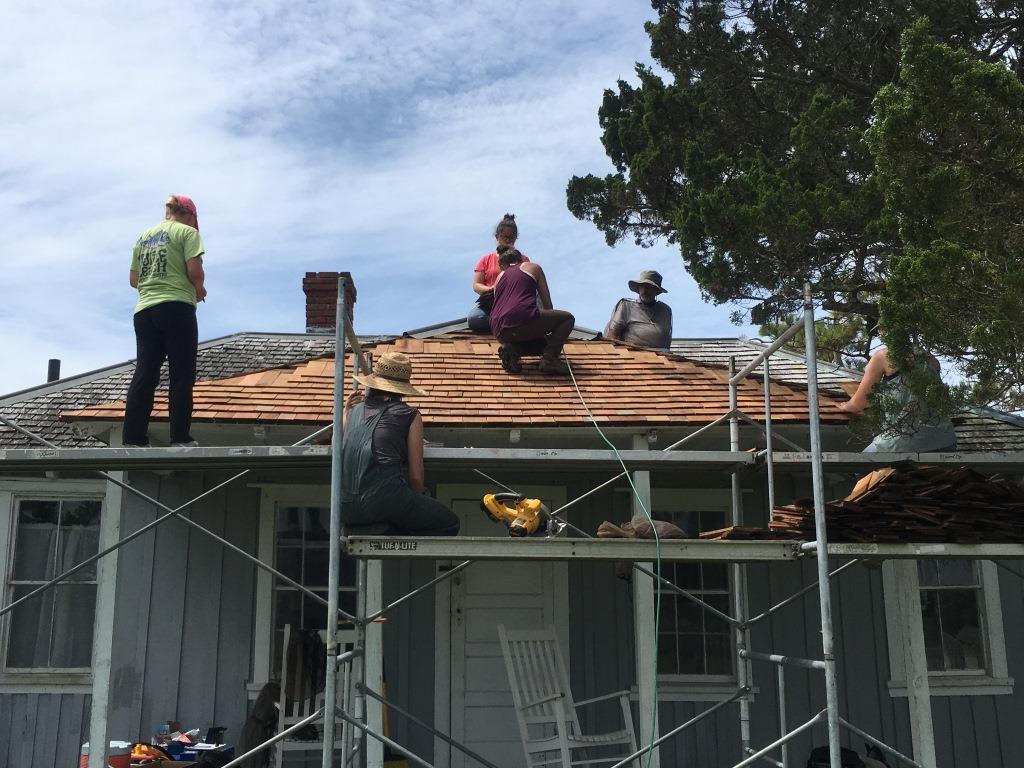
{"x": 690, "y": 616}
{"x": 314, "y": 613}
{"x": 74, "y": 609}
{"x": 691, "y": 654}
{"x": 687, "y": 576}
{"x": 289, "y": 560}
{"x": 957, "y": 573}
{"x": 961, "y": 635}
{"x": 29, "y": 641}
{"x": 79, "y": 537}
{"x": 52, "y": 630}
{"x": 288, "y": 609}
{"x": 953, "y": 640}
{"x": 315, "y": 567}
{"x": 289, "y": 523}
{"x": 928, "y": 573}
{"x": 715, "y": 577}
{"x": 947, "y": 573}
{"x": 34, "y": 549}
{"x": 702, "y": 643}
{"x": 43, "y": 550}
{"x": 667, "y": 662}
{"x": 719, "y": 655}
{"x": 38, "y": 511}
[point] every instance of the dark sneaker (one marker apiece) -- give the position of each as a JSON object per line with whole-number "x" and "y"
{"x": 553, "y": 366}
{"x": 509, "y": 359}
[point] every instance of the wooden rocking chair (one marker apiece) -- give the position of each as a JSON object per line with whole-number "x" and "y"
{"x": 548, "y": 721}
{"x": 302, "y": 695}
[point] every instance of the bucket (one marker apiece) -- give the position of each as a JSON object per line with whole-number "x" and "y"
{"x": 120, "y": 755}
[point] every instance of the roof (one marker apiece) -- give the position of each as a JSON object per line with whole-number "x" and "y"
{"x": 39, "y": 409}
{"x": 786, "y": 366}
{"x": 978, "y": 430}
{"x": 986, "y": 429}
{"x": 466, "y": 387}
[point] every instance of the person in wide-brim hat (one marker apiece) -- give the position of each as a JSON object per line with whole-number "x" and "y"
{"x": 383, "y": 490}
{"x": 645, "y": 321}
{"x": 392, "y": 372}
{"x": 648, "y": 277}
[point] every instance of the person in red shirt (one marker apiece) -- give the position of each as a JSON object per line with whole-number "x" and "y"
{"x": 485, "y": 273}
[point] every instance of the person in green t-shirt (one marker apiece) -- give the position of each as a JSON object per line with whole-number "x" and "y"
{"x": 167, "y": 269}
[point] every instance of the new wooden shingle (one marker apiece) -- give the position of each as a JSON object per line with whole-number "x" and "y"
{"x": 466, "y": 386}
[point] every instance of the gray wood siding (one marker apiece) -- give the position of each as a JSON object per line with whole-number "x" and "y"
{"x": 971, "y": 731}
{"x": 42, "y": 729}
{"x": 183, "y": 643}
{"x": 185, "y": 606}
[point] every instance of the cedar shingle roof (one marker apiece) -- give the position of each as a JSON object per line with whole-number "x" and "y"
{"x": 466, "y": 386}
{"x": 39, "y": 409}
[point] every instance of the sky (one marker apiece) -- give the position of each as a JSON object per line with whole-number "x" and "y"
{"x": 386, "y": 139}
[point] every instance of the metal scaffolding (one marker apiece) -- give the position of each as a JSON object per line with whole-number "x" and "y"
{"x": 353, "y": 704}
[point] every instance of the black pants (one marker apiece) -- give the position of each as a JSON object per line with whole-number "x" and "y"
{"x": 163, "y": 331}
{"x": 387, "y": 498}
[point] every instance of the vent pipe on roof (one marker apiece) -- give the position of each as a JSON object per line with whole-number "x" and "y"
{"x": 52, "y": 370}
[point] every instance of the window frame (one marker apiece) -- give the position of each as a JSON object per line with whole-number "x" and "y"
{"x": 272, "y": 496}
{"x": 76, "y": 680}
{"x": 993, "y": 681}
{"x": 691, "y": 687}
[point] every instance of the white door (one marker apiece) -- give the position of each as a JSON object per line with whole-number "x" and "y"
{"x": 473, "y": 702}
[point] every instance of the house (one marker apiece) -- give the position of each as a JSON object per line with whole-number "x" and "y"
{"x": 196, "y": 627}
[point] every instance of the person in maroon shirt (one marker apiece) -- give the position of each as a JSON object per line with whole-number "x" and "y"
{"x": 517, "y": 322}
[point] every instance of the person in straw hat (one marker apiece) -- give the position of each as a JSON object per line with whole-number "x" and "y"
{"x": 382, "y": 480}
{"x": 645, "y": 322}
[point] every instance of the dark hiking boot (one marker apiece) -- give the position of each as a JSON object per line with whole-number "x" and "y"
{"x": 509, "y": 359}
{"x": 553, "y": 366}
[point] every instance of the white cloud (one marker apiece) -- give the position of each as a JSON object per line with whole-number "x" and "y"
{"x": 384, "y": 139}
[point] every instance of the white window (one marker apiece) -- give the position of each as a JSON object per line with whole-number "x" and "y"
{"x": 963, "y": 628}
{"x": 302, "y": 552}
{"x": 691, "y": 640}
{"x": 294, "y": 538}
{"x": 696, "y": 649}
{"x": 52, "y": 632}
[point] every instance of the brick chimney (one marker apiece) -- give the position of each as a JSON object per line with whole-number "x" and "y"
{"x": 321, "y": 289}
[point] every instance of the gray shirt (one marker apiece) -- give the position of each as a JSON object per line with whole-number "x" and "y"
{"x": 643, "y": 325}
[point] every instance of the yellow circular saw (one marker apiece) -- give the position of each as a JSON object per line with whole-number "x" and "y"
{"x": 522, "y": 516}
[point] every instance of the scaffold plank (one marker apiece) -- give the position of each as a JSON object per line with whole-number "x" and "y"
{"x": 694, "y": 550}
{"x": 910, "y": 550}
{"x": 577, "y": 458}
{"x": 127, "y": 459}
{"x": 847, "y": 461}
{"x": 313, "y": 456}
{"x": 506, "y": 548}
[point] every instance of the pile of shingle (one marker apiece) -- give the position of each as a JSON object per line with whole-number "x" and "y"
{"x": 918, "y": 503}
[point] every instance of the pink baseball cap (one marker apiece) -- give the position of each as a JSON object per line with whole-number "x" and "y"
{"x": 187, "y": 203}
